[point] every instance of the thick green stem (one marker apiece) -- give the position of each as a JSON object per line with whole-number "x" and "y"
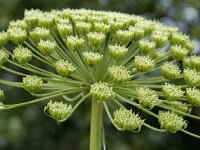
{"x": 96, "y": 125}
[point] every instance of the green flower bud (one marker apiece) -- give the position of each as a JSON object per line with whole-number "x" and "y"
{"x": 172, "y": 92}
{"x": 179, "y": 38}
{"x": 181, "y": 106}
{"x": 101, "y": 27}
{"x": 59, "y": 111}
{"x": 138, "y": 33}
{"x": 159, "y": 38}
{"x": 1, "y": 95}
{"x": 117, "y": 51}
{"x": 170, "y": 71}
{"x": 127, "y": 120}
{"x": 18, "y": 24}
{"x": 193, "y": 96}
{"x": 46, "y": 20}
{"x": 92, "y": 58}
{"x": 64, "y": 29}
{"x": 22, "y": 55}
{"x": 171, "y": 122}
{"x": 75, "y": 43}
{"x": 189, "y": 45}
{"x": 3, "y": 57}
{"x": 94, "y": 19}
{"x": 64, "y": 68}
{"x": 146, "y": 46}
{"x": 115, "y": 25}
{"x": 143, "y": 63}
{"x": 31, "y": 17}
{"x": 83, "y": 27}
{"x": 195, "y": 62}
{"x": 17, "y": 35}
{"x": 124, "y": 35}
{"x": 147, "y": 97}
{"x": 101, "y": 91}
{"x": 178, "y": 52}
{"x": 96, "y": 38}
{"x": 192, "y": 77}
{"x": 62, "y": 21}
{"x": 47, "y": 47}
{"x": 4, "y": 38}
{"x": 187, "y": 62}
{"x": 146, "y": 25}
{"x": 78, "y": 18}
{"x": 39, "y": 33}
{"x": 119, "y": 73}
{"x": 32, "y": 84}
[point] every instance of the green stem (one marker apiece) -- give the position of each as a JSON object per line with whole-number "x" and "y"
{"x": 96, "y": 125}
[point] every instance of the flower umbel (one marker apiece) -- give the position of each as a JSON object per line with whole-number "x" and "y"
{"x": 111, "y": 58}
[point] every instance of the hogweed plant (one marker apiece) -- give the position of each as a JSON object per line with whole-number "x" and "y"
{"x": 112, "y": 59}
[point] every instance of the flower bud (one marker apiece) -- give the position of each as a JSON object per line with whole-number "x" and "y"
{"x": 17, "y": 35}
{"x": 172, "y": 92}
{"x": 32, "y": 84}
{"x": 83, "y": 27}
{"x": 59, "y": 111}
{"x": 3, "y": 57}
{"x": 193, "y": 96}
{"x": 46, "y": 20}
{"x": 4, "y": 38}
{"x": 192, "y": 77}
{"x": 18, "y": 24}
{"x": 127, "y": 120}
{"x": 146, "y": 46}
{"x": 1, "y": 95}
{"x": 195, "y": 62}
{"x": 47, "y": 47}
{"x": 75, "y": 43}
{"x": 115, "y": 25}
{"x": 171, "y": 122}
{"x": 22, "y": 55}
{"x": 62, "y": 21}
{"x": 92, "y": 58}
{"x": 159, "y": 38}
{"x": 124, "y": 35}
{"x": 64, "y": 68}
{"x": 179, "y": 38}
{"x": 189, "y": 45}
{"x": 96, "y": 38}
{"x": 31, "y": 17}
{"x": 117, "y": 51}
{"x": 119, "y": 73}
{"x": 178, "y": 52}
{"x": 143, "y": 63}
{"x": 78, "y": 18}
{"x": 101, "y": 91}
{"x": 146, "y": 25}
{"x": 101, "y": 27}
{"x": 147, "y": 97}
{"x": 39, "y": 33}
{"x": 138, "y": 33}
{"x": 187, "y": 62}
{"x": 170, "y": 71}
{"x": 64, "y": 29}
{"x": 94, "y": 19}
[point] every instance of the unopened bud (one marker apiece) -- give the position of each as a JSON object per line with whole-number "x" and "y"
{"x": 22, "y": 55}
{"x": 127, "y": 120}
{"x": 171, "y": 122}
{"x": 59, "y": 111}
{"x": 32, "y": 84}
{"x": 101, "y": 91}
